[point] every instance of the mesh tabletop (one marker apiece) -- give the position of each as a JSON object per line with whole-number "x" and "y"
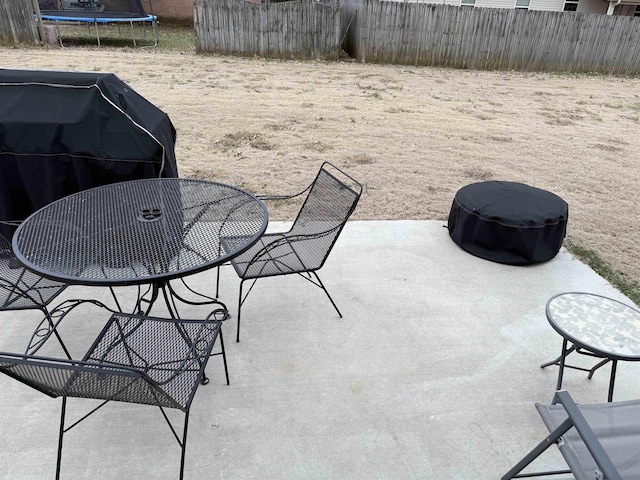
{"x": 139, "y": 232}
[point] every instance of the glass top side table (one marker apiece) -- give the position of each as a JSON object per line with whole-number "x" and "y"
{"x": 597, "y": 326}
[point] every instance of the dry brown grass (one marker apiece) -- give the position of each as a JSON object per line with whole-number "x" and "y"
{"x": 413, "y": 136}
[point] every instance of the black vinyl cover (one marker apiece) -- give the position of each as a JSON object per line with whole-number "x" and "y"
{"x": 64, "y": 132}
{"x": 508, "y": 222}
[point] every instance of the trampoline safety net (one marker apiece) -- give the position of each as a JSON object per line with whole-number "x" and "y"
{"x": 114, "y": 8}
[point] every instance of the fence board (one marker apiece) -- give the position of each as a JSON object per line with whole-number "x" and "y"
{"x": 485, "y": 38}
{"x": 295, "y": 29}
{"x": 17, "y": 24}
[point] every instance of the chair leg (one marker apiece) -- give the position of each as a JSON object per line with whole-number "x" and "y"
{"x": 327, "y": 292}
{"x": 240, "y": 302}
{"x": 318, "y": 283}
{"x": 224, "y": 357}
{"x": 42, "y": 334}
{"x": 218, "y": 282}
{"x": 55, "y": 332}
{"x": 60, "y": 435}
{"x": 184, "y": 444}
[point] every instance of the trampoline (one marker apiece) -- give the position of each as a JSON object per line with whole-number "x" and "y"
{"x": 98, "y": 12}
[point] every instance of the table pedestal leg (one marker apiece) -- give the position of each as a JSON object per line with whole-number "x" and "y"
{"x": 150, "y": 301}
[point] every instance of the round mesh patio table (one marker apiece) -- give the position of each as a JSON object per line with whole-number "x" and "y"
{"x": 508, "y": 222}
{"x": 139, "y": 232}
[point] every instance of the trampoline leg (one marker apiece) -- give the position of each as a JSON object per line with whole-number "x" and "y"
{"x": 155, "y": 33}
{"x": 97, "y": 33}
{"x": 133, "y": 34}
{"x": 59, "y": 34}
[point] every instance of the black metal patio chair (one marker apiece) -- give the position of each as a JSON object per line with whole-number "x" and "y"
{"x": 21, "y": 289}
{"x": 303, "y": 250}
{"x": 134, "y": 359}
{"x": 599, "y": 441}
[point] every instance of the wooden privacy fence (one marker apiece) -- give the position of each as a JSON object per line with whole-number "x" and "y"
{"x": 484, "y": 38}
{"x": 17, "y": 24}
{"x": 294, "y": 29}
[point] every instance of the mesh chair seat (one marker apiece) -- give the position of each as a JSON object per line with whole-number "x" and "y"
{"x": 170, "y": 354}
{"x": 282, "y": 254}
{"x": 259, "y": 261}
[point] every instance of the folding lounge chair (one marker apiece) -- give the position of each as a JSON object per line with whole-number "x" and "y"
{"x": 135, "y": 359}
{"x": 598, "y": 442}
{"x": 303, "y": 250}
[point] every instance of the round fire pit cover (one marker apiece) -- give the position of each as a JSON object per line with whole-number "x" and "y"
{"x": 508, "y": 222}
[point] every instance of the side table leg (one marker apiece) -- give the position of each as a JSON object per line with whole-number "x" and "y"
{"x": 601, "y": 364}
{"x": 563, "y": 357}
{"x": 614, "y": 365}
{"x": 556, "y": 361}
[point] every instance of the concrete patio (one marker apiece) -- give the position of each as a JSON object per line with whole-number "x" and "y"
{"x": 432, "y": 373}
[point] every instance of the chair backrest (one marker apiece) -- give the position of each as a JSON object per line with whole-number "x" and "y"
{"x": 57, "y": 377}
{"x": 331, "y": 200}
{"x": 20, "y": 288}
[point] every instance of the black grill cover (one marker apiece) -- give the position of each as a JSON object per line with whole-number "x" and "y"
{"x": 63, "y": 132}
{"x": 508, "y": 222}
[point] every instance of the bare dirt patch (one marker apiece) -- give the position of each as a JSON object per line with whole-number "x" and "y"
{"x": 413, "y": 136}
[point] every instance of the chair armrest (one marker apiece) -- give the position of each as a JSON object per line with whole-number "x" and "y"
{"x": 283, "y": 197}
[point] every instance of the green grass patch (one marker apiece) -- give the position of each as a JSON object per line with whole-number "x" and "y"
{"x": 630, "y": 288}
{"x": 180, "y": 38}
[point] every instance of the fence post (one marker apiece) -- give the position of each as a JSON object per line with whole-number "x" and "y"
{"x": 36, "y": 9}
